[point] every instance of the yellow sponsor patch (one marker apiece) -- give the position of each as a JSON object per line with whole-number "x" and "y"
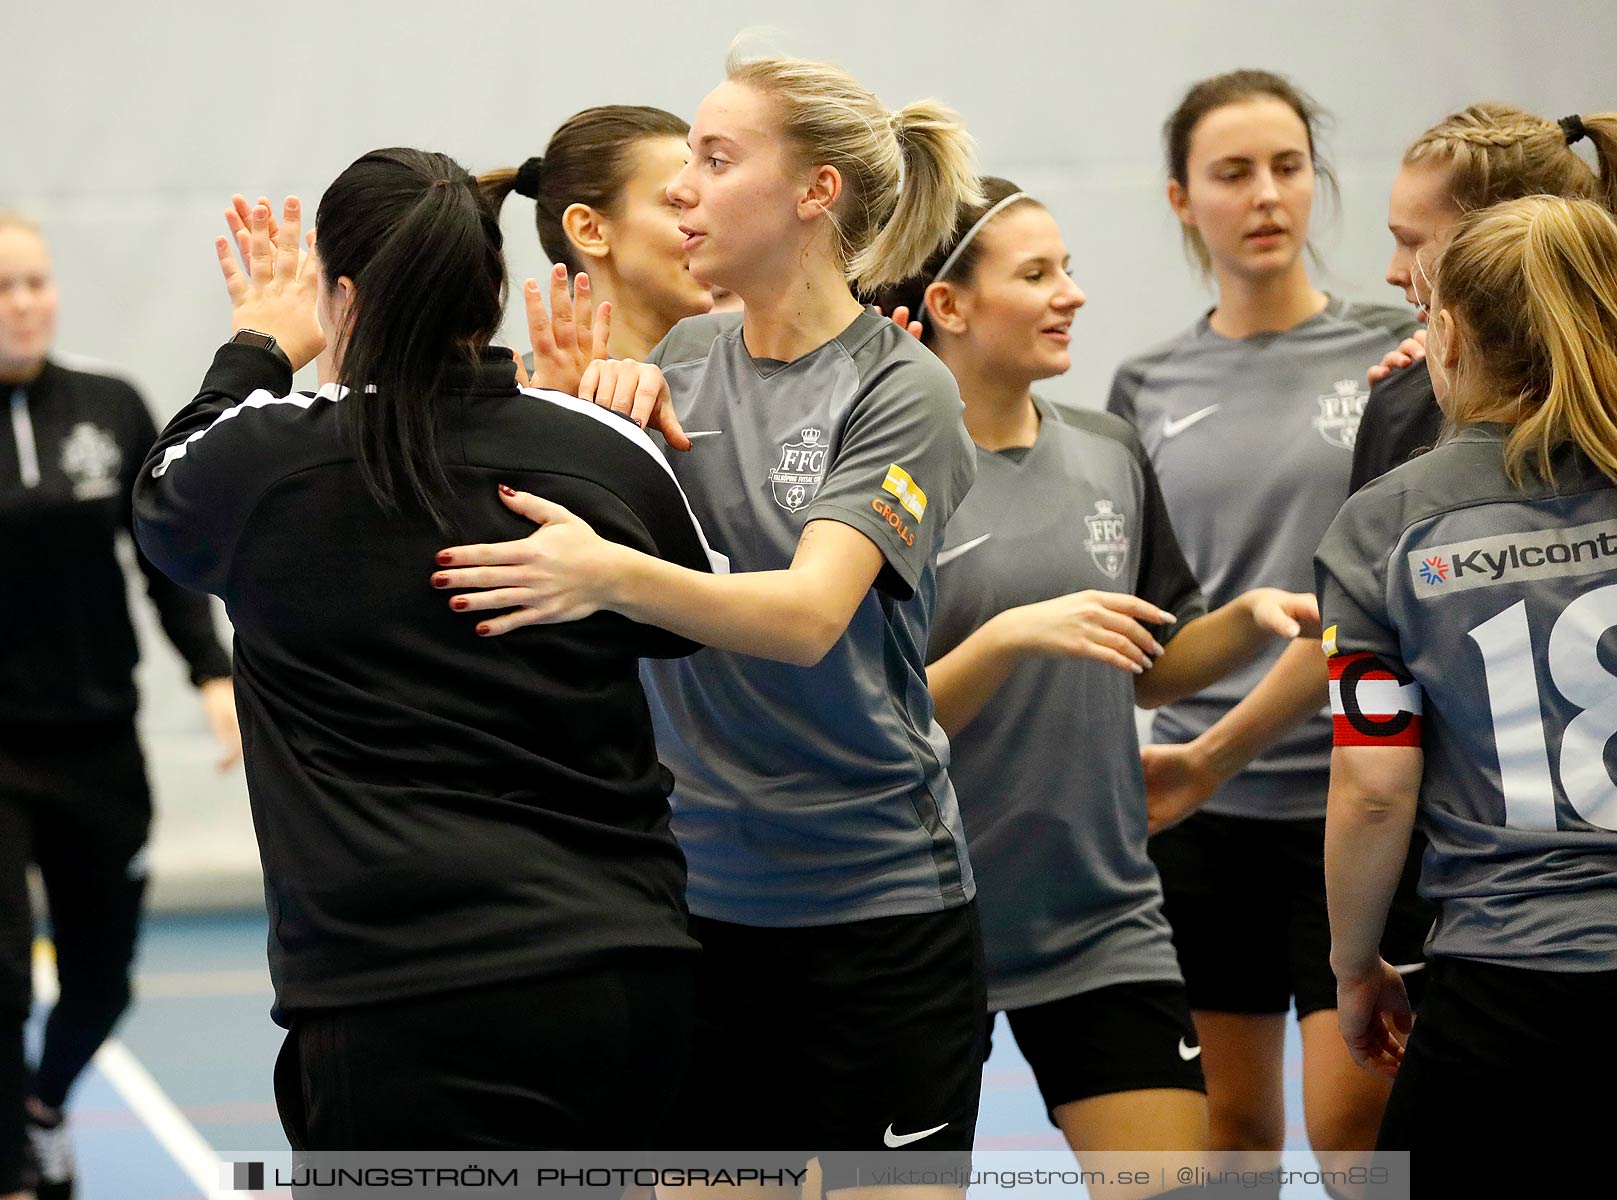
{"x": 909, "y": 493}
{"x": 1329, "y": 641}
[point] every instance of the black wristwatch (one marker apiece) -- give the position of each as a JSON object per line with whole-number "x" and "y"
{"x": 264, "y": 341}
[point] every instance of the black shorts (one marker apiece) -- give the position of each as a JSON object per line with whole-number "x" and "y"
{"x": 1507, "y": 1059}
{"x": 1123, "y": 1038}
{"x": 587, "y": 1061}
{"x": 854, "y": 1037}
{"x": 1246, "y": 899}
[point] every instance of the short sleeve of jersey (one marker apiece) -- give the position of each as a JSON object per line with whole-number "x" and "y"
{"x": 1374, "y": 700}
{"x": 903, "y": 465}
{"x": 1166, "y": 579}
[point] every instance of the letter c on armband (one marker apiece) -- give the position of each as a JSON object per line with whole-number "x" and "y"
{"x": 1372, "y": 704}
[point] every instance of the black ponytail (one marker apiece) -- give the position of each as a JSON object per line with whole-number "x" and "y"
{"x": 423, "y": 249}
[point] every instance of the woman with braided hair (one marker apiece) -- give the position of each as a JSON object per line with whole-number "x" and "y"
{"x": 1477, "y": 157}
{"x": 1483, "y": 155}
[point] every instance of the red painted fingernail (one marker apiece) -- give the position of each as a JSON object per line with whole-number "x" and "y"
{"x": 507, "y": 491}
{"x": 440, "y": 581}
{"x": 482, "y": 631}
{"x": 445, "y": 558}
{"x": 459, "y": 603}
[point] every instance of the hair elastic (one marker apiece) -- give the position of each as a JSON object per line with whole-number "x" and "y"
{"x": 1572, "y": 128}
{"x": 960, "y": 246}
{"x": 527, "y": 180}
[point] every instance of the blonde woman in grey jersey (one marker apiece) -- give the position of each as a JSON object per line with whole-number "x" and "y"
{"x": 841, "y": 996}
{"x": 1060, "y": 585}
{"x": 1474, "y": 592}
{"x": 1249, "y": 419}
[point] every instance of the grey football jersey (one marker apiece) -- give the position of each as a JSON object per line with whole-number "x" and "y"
{"x": 810, "y": 796}
{"x": 1048, "y": 773}
{"x": 1252, "y": 440}
{"x": 1499, "y": 606}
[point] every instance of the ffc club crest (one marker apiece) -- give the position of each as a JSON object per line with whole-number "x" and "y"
{"x": 1108, "y": 540}
{"x": 800, "y": 472}
{"x": 91, "y": 458}
{"x": 1339, "y": 413}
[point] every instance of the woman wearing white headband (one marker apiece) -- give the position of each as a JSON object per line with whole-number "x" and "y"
{"x": 1058, "y": 576}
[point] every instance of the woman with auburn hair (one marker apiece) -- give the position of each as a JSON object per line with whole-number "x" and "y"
{"x": 1478, "y": 700}
{"x": 841, "y": 996}
{"x": 601, "y": 206}
{"x": 1249, "y": 418}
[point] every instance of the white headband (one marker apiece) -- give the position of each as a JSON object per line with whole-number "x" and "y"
{"x": 960, "y": 247}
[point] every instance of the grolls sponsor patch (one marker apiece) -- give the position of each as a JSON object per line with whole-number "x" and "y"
{"x": 909, "y": 493}
{"x": 1436, "y": 571}
{"x": 1371, "y": 703}
{"x": 896, "y": 519}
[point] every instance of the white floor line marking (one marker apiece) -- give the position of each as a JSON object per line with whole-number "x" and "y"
{"x": 189, "y": 1150}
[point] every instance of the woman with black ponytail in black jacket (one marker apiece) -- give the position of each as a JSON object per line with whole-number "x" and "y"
{"x": 476, "y": 906}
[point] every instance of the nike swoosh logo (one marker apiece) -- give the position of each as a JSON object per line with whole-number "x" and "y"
{"x": 1172, "y": 428}
{"x": 1188, "y": 1052}
{"x": 1410, "y": 968}
{"x": 693, "y": 434}
{"x": 895, "y": 1140}
{"x": 954, "y": 552}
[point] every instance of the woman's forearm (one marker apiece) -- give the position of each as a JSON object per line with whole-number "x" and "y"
{"x": 966, "y": 678}
{"x": 1202, "y": 653}
{"x": 1369, "y": 819}
{"x": 792, "y": 616}
{"x": 1295, "y": 688}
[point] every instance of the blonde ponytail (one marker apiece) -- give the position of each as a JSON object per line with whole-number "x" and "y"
{"x": 1534, "y": 283}
{"x": 940, "y": 177}
{"x": 904, "y": 174}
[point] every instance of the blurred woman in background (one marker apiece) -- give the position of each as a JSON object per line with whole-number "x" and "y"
{"x": 73, "y": 791}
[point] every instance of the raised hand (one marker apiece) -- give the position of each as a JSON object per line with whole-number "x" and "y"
{"x": 638, "y": 391}
{"x": 901, "y": 318}
{"x": 239, "y": 219}
{"x": 279, "y": 292}
{"x": 567, "y": 336}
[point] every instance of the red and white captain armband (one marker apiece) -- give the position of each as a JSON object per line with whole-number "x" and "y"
{"x": 1372, "y": 703}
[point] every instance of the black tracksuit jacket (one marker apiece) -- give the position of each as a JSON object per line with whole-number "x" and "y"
{"x": 434, "y": 809}
{"x": 71, "y": 444}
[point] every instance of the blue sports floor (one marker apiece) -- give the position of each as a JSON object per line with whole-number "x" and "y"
{"x": 187, "y": 1077}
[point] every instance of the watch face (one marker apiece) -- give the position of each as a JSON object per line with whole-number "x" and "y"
{"x": 251, "y": 337}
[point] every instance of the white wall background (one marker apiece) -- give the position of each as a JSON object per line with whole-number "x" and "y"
{"x": 128, "y": 127}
